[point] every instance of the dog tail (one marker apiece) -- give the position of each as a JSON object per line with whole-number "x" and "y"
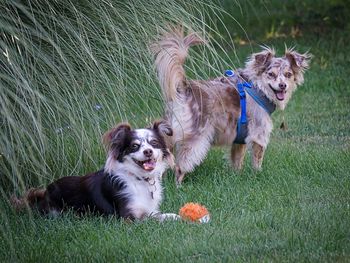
{"x": 33, "y": 197}
{"x": 170, "y": 53}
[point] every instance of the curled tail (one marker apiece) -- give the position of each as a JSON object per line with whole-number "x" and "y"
{"x": 32, "y": 198}
{"x": 170, "y": 53}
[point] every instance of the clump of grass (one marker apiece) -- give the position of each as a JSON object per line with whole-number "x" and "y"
{"x": 71, "y": 70}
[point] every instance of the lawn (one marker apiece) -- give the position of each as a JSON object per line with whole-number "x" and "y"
{"x": 296, "y": 209}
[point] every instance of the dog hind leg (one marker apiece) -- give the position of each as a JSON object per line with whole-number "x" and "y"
{"x": 179, "y": 175}
{"x": 190, "y": 153}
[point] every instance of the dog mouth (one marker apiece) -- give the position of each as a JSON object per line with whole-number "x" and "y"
{"x": 280, "y": 94}
{"x": 147, "y": 165}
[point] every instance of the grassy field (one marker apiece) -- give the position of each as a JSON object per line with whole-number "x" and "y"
{"x": 296, "y": 209}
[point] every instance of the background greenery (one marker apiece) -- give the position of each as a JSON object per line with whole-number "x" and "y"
{"x": 71, "y": 70}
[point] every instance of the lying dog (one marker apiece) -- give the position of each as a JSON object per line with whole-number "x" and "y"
{"x": 202, "y": 113}
{"x": 129, "y": 186}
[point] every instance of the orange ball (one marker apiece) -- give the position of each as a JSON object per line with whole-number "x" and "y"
{"x": 194, "y": 212}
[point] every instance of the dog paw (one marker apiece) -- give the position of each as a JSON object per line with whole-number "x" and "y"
{"x": 166, "y": 216}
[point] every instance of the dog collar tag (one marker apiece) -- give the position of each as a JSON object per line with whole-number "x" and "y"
{"x": 229, "y": 73}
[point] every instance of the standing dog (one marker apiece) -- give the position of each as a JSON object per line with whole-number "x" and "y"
{"x": 202, "y": 112}
{"x": 129, "y": 186}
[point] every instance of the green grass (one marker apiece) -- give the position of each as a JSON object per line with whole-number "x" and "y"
{"x": 296, "y": 209}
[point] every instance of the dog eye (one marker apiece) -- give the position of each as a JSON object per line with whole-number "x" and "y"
{"x": 288, "y": 74}
{"x": 271, "y": 74}
{"x": 135, "y": 146}
{"x": 154, "y": 143}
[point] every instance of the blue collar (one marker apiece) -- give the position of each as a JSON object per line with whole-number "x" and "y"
{"x": 259, "y": 97}
{"x": 256, "y": 94}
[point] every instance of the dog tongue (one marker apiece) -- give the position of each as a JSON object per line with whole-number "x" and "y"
{"x": 280, "y": 95}
{"x": 149, "y": 165}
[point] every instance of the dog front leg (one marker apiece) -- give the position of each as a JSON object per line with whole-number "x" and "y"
{"x": 257, "y": 155}
{"x": 166, "y": 216}
{"x": 237, "y": 155}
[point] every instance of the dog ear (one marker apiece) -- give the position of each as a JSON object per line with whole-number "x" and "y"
{"x": 264, "y": 57}
{"x": 163, "y": 127}
{"x": 115, "y": 133}
{"x": 297, "y": 60}
{"x": 259, "y": 61}
{"x": 116, "y": 139}
{"x": 299, "y": 63}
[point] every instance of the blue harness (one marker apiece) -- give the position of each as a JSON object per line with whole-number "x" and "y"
{"x": 258, "y": 96}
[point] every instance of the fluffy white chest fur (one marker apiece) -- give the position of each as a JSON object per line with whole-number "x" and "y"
{"x": 145, "y": 196}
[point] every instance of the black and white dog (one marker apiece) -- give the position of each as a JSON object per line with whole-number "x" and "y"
{"x": 129, "y": 186}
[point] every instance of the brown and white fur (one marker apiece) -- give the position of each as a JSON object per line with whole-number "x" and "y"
{"x": 129, "y": 185}
{"x": 205, "y": 112}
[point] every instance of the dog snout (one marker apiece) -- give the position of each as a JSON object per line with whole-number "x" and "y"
{"x": 282, "y": 86}
{"x": 148, "y": 152}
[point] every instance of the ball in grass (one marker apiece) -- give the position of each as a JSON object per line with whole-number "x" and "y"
{"x": 194, "y": 212}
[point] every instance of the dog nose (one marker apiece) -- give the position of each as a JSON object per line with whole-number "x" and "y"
{"x": 148, "y": 152}
{"x": 282, "y": 86}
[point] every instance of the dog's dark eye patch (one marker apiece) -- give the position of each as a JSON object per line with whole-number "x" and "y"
{"x": 134, "y": 147}
{"x": 133, "y": 144}
{"x": 157, "y": 141}
{"x": 120, "y": 146}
